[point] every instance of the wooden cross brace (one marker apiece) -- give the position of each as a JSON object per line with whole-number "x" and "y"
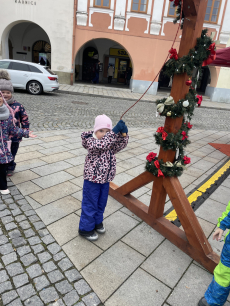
{"x": 192, "y": 240}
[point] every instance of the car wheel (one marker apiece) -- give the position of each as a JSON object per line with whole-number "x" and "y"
{"x": 34, "y": 88}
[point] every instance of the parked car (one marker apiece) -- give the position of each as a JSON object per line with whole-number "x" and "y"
{"x": 30, "y": 76}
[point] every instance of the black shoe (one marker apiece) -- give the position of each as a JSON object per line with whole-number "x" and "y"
{"x": 203, "y": 302}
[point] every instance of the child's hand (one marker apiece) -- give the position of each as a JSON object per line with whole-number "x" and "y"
{"x": 119, "y": 127}
{"x": 218, "y": 234}
{"x": 32, "y": 135}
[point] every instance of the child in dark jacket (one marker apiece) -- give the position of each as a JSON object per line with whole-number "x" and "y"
{"x": 20, "y": 115}
{"x": 100, "y": 168}
{"x": 218, "y": 291}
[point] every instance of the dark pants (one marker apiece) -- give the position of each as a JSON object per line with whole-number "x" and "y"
{"x": 3, "y": 181}
{"x": 96, "y": 78}
{"x": 93, "y": 205}
{"x": 110, "y": 79}
{"x": 14, "y": 150}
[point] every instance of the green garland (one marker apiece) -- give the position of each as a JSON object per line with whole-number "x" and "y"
{"x": 174, "y": 141}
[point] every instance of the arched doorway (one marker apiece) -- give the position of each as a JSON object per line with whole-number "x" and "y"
{"x": 110, "y": 54}
{"x": 41, "y": 53}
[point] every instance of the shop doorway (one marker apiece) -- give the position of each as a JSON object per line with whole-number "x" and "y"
{"x": 41, "y": 53}
{"x": 90, "y": 58}
{"x": 122, "y": 70}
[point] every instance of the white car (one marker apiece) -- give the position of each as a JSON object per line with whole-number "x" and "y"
{"x": 30, "y": 76}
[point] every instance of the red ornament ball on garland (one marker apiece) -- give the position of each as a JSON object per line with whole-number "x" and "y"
{"x": 188, "y": 82}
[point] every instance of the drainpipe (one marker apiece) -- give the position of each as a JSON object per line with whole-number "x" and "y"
{"x": 73, "y": 46}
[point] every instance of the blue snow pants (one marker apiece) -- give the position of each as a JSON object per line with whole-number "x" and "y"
{"x": 218, "y": 291}
{"x": 93, "y": 205}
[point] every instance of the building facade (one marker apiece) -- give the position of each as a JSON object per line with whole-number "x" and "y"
{"x": 133, "y": 36}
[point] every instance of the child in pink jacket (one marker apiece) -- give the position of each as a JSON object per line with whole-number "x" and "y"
{"x": 100, "y": 168}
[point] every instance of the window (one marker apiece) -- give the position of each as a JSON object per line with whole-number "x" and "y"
{"x": 172, "y": 10}
{"x": 212, "y": 11}
{"x": 102, "y": 3}
{"x": 34, "y": 69}
{"x": 139, "y": 6}
{"x": 50, "y": 71}
{"x": 19, "y": 66}
{"x": 4, "y": 64}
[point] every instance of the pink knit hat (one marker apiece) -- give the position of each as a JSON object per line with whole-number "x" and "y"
{"x": 102, "y": 122}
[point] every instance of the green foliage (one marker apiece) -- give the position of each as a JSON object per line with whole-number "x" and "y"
{"x": 167, "y": 171}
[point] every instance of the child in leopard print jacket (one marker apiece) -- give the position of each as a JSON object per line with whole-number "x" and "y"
{"x": 100, "y": 168}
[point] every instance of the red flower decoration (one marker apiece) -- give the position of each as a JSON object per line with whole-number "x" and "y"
{"x": 212, "y": 55}
{"x": 160, "y": 129}
{"x": 156, "y": 163}
{"x": 200, "y": 99}
{"x": 164, "y": 135}
{"x": 184, "y": 135}
{"x": 160, "y": 173}
{"x": 173, "y": 53}
{"x": 151, "y": 156}
{"x": 186, "y": 160}
{"x": 189, "y": 126}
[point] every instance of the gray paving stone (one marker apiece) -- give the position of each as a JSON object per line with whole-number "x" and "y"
{"x": 64, "y": 287}
{"x": 49, "y": 266}
{"x": 4, "y": 213}
{"x": 16, "y": 302}
{"x": 18, "y": 197}
{"x": 71, "y": 298}
{"x": 20, "y": 280}
{"x": 7, "y": 219}
{"x": 10, "y": 226}
{"x": 49, "y": 295}
{"x": 65, "y": 264}
{"x": 1, "y": 232}
{"x": 48, "y": 239}
{"x": 29, "y": 213}
{"x": 20, "y": 241}
{"x": 20, "y": 218}
{"x": 55, "y": 276}
{"x": 41, "y": 282}
{"x": 23, "y": 250}
{"x": 34, "y": 240}
{"x": 91, "y": 300}
{"x": 80, "y": 304}
{"x": 33, "y": 301}
{"x": 15, "y": 234}
{"x": 24, "y": 225}
{"x": 82, "y": 287}
{"x": 73, "y": 275}
{"x": 191, "y": 287}
{"x": 38, "y": 248}
{"x": 39, "y": 225}
{"x": 9, "y": 297}
{"x": 59, "y": 303}
{"x": 22, "y": 202}
{"x": 59, "y": 256}
{"x": 43, "y": 232}
{"x": 34, "y": 271}
{"x": 9, "y": 258}
{"x": 26, "y": 292}
{"x": 16, "y": 212}
{"x": 54, "y": 248}
{"x": 14, "y": 269}
{"x": 3, "y": 276}
{"x": 43, "y": 257}
{"x": 6, "y": 196}
{"x": 3, "y": 239}
{"x": 6, "y": 286}
{"x": 29, "y": 233}
{"x": 26, "y": 207}
{"x": 34, "y": 218}
{"x": 3, "y": 206}
{"x": 28, "y": 259}
{"x": 13, "y": 206}
{"x": 9, "y": 201}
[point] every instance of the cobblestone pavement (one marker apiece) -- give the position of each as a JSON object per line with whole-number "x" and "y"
{"x": 45, "y": 261}
{"x": 59, "y": 111}
{"x": 34, "y": 270}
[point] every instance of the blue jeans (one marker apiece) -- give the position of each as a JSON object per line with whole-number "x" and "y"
{"x": 93, "y": 205}
{"x": 96, "y": 78}
{"x": 14, "y": 150}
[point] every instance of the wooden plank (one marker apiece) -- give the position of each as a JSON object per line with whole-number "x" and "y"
{"x": 158, "y": 197}
{"x": 136, "y": 183}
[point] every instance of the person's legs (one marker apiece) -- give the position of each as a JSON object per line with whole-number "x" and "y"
{"x": 91, "y": 193}
{"x": 14, "y": 150}
{"x": 3, "y": 181}
{"x": 218, "y": 291}
{"x": 102, "y": 201}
